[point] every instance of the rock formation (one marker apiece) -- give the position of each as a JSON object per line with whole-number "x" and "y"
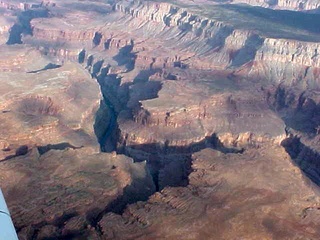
{"x": 41, "y": 106}
{"x": 229, "y": 196}
{"x": 67, "y": 190}
{"x": 212, "y": 105}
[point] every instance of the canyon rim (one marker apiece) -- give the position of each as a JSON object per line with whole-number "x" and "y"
{"x": 125, "y": 119}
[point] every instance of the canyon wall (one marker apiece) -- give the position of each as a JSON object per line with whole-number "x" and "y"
{"x": 200, "y": 99}
{"x": 192, "y": 41}
{"x": 294, "y": 5}
{"x": 197, "y": 41}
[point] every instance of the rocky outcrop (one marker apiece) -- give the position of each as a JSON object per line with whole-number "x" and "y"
{"x": 5, "y": 24}
{"x": 50, "y": 119}
{"x": 25, "y": 6}
{"x": 204, "y": 36}
{"x": 294, "y": 5}
{"x": 290, "y": 62}
{"x": 162, "y": 121}
{"x": 9, "y": 5}
{"x": 218, "y": 44}
{"x": 192, "y": 40}
{"x": 176, "y": 81}
{"x": 41, "y": 106}
{"x": 70, "y": 189}
{"x": 223, "y": 195}
{"x": 58, "y": 35}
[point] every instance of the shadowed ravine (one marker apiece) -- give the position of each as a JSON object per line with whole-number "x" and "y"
{"x": 162, "y": 159}
{"x": 160, "y": 119}
{"x": 306, "y": 158}
{"x": 23, "y": 25}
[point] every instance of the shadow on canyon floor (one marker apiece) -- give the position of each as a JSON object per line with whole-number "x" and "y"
{"x": 20, "y": 151}
{"x": 23, "y": 25}
{"x": 60, "y": 146}
{"x": 171, "y": 165}
{"x": 47, "y": 67}
{"x": 126, "y": 57}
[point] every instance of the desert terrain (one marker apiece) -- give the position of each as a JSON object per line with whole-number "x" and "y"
{"x": 156, "y": 119}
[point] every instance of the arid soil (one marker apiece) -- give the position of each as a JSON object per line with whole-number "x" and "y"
{"x": 161, "y": 120}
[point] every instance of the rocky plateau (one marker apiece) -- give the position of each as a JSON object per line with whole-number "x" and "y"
{"x": 161, "y": 119}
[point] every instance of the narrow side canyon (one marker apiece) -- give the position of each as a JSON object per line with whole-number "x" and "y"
{"x": 160, "y": 120}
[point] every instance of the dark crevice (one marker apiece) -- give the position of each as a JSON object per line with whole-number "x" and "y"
{"x": 23, "y": 25}
{"x": 168, "y": 165}
{"x": 298, "y": 110}
{"x": 160, "y": 159}
{"x": 131, "y": 194}
{"x": 47, "y": 67}
{"x": 306, "y": 158}
{"x": 179, "y": 64}
{"x": 89, "y": 62}
{"x": 60, "y": 146}
{"x": 107, "y": 44}
{"x": 20, "y": 151}
{"x": 126, "y": 57}
{"x": 144, "y": 75}
{"x": 105, "y": 125}
{"x": 96, "y": 68}
{"x": 97, "y": 39}
{"x": 58, "y": 222}
{"x": 15, "y": 36}
{"x": 171, "y": 165}
{"x": 170, "y": 76}
{"x": 82, "y": 56}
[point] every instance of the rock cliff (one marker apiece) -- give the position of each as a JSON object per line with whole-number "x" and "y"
{"x": 215, "y": 106}
{"x": 57, "y": 182}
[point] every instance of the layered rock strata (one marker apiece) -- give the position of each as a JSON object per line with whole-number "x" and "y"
{"x": 227, "y": 200}
{"x": 176, "y": 79}
{"x": 43, "y": 103}
{"x": 56, "y": 181}
{"x": 199, "y": 41}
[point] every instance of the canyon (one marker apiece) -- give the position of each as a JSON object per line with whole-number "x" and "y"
{"x": 161, "y": 120}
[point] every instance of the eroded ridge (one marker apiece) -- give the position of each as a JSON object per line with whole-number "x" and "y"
{"x": 216, "y": 114}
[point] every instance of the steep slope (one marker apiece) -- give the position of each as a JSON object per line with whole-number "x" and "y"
{"x": 209, "y": 95}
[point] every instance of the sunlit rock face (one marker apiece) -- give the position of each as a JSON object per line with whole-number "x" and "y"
{"x": 6, "y": 22}
{"x": 214, "y": 106}
{"x": 293, "y": 5}
{"x": 44, "y": 103}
